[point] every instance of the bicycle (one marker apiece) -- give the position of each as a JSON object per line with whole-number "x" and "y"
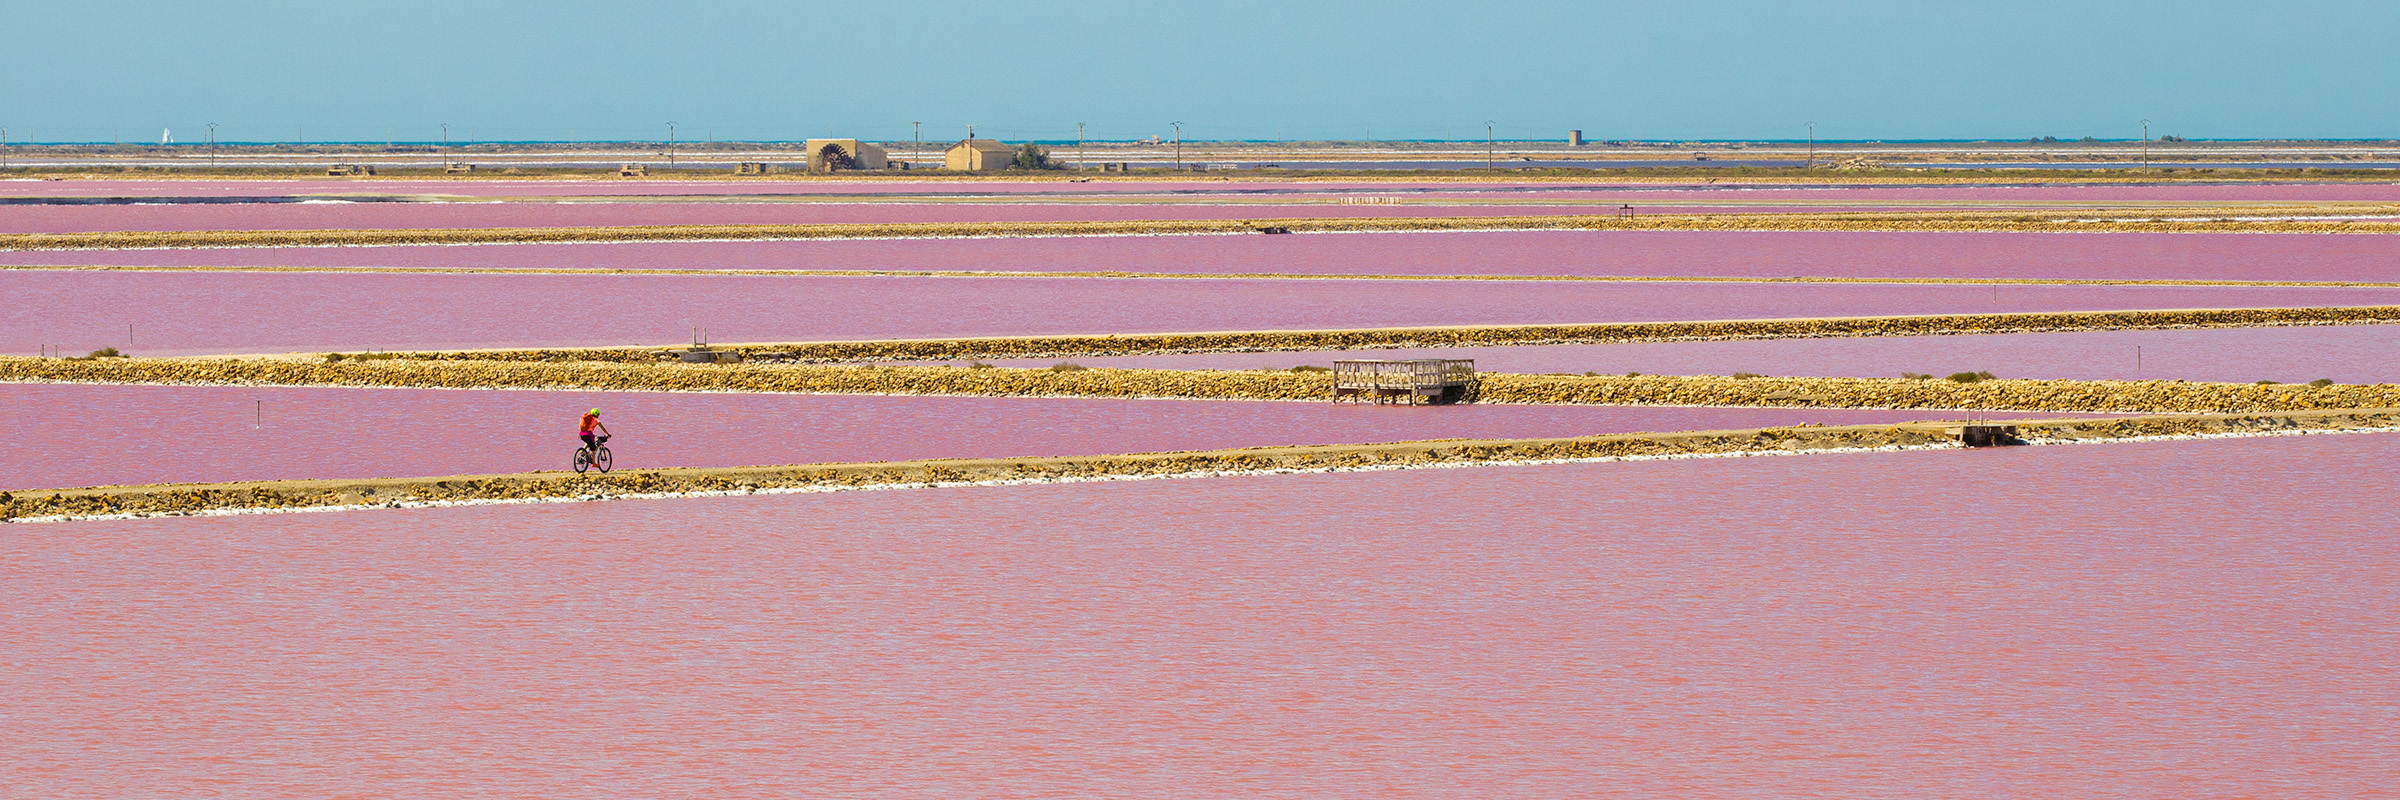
{"x": 595, "y": 455}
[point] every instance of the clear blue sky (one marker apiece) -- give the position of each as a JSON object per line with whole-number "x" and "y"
{"x": 92, "y": 69}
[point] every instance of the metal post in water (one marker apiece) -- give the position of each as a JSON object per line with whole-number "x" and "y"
{"x": 258, "y": 414}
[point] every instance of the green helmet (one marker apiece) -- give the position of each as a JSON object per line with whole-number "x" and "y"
{"x": 595, "y": 412}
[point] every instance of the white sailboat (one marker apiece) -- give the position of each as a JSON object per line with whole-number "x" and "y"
{"x": 166, "y": 136}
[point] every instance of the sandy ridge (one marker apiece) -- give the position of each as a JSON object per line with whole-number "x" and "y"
{"x": 1697, "y": 390}
{"x": 179, "y": 499}
{"x": 2278, "y": 219}
{"x": 1247, "y": 276}
{"x": 1094, "y": 345}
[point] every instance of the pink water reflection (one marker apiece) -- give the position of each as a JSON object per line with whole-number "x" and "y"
{"x": 2345, "y": 354}
{"x": 1655, "y": 193}
{"x": 199, "y": 313}
{"x": 315, "y": 216}
{"x": 1765, "y": 627}
{"x": 1742, "y": 254}
{"x": 77, "y": 435}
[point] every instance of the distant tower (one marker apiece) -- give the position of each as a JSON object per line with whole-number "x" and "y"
{"x": 1574, "y": 138}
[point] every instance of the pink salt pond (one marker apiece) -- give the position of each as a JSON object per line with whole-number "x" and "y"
{"x": 352, "y": 216}
{"x": 1646, "y": 193}
{"x": 69, "y": 435}
{"x": 1649, "y": 254}
{"x": 203, "y": 313}
{"x": 2184, "y": 619}
{"x": 2342, "y": 353}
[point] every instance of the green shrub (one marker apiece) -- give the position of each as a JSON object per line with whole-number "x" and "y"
{"x": 978, "y": 365}
{"x": 1311, "y": 368}
{"x": 1916, "y": 376}
{"x": 1746, "y": 375}
{"x": 1034, "y": 156}
{"x": 1067, "y": 366}
{"x": 106, "y": 352}
{"x": 1970, "y": 377}
{"x": 2321, "y": 382}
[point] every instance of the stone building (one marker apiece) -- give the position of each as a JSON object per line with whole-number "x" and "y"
{"x": 834, "y": 155}
{"x": 979, "y": 155}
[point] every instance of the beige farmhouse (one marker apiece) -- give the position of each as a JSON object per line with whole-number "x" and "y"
{"x": 978, "y": 155}
{"x": 835, "y": 155}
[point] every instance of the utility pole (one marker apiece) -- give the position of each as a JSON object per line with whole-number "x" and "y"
{"x": 3, "y": 148}
{"x": 445, "y": 134}
{"x": 916, "y": 135}
{"x": 212, "y": 145}
{"x": 1079, "y": 145}
{"x": 2145, "y": 145}
{"x": 1812, "y": 143}
{"x": 670, "y": 145}
{"x": 1490, "y": 145}
{"x": 1178, "y": 145}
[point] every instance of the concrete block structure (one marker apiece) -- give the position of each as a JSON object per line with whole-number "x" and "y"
{"x": 979, "y": 155}
{"x": 835, "y": 155}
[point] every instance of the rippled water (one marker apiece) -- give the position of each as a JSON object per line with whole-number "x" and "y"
{"x": 75, "y": 218}
{"x": 1734, "y": 254}
{"x": 81, "y": 435}
{"x": 199, "y": 313}
{"x": 2345, "y": 354}
{"x": 2201, "y": 619}
{"x": 2111, "y": 193}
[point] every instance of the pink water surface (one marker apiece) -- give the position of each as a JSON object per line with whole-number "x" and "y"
{"x": 1745, "y": 254}
{"x": 2192, "y": 620}
{"x": 83, "y": 435}
{"x": 2104, "y": 194}
{"x": 314, "y": 216}
{"x": 2345, "y": 354}
{"x": 199, "y": 313}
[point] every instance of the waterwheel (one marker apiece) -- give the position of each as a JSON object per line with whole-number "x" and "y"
{"x": 835, "y": 158}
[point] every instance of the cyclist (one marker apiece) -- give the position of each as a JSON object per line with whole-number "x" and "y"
{"x": 591, "y": 422}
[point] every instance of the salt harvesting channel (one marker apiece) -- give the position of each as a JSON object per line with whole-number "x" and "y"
{"x": 1931, "y": 493}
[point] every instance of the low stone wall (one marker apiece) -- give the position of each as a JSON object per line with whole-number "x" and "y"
{"x": 187, "y": 499}
{"x": 2020, "y": 395}
{"x": 2222, "y": 220}
{"x": 1470, "y": 336}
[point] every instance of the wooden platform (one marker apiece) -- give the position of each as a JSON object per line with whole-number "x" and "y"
{"x": 1437, "y": 381}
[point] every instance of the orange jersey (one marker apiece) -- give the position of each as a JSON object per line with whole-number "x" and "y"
{"x": 589, "y": 420}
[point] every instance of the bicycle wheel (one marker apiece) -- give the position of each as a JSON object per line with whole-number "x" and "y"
{"x": 583, "y": 459}
{"x": 602, "y": 460}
